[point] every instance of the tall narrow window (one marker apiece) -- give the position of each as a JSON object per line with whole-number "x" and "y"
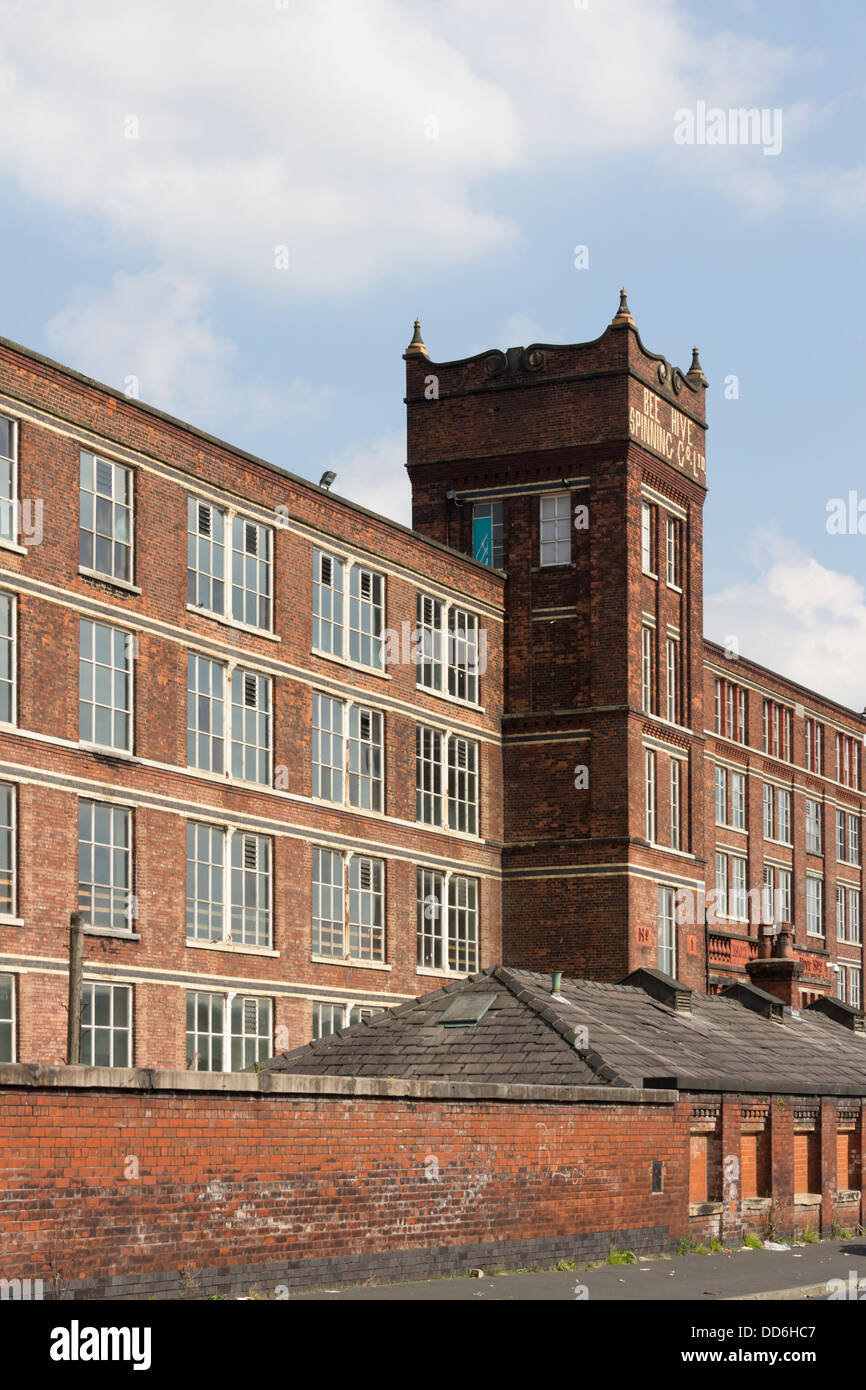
{"x": 8, "y": 866}
{"x": 105, "y": 865}
{"x": 250, "y": 890}
{"x": 463, "y": 655}
{"x": 813, "y": 826}
{"x": 667, "y": 952}
{"x": 251, "y": 573}
{"x": 722, "y": 885}
{"x": 105, "y": 686}
{"x": 463, "y": 784}
{"x": 488, "y": 534}
{"x": 205, "y": 1031}
{"x": 783, "y": 815}
{"x": 251, "y": 726}
{"x": 206, "y": 563}
{"x": 650, "y": 792}
{"x": 814, "y": 905}
{"x": 556, "y": 529}
{"x": 250, "y": 1031}
{"x": 7, "y": 1018}
{"x": 105, "y": 518}
{"x": 365, "y": 759}
{"x": 8, "y": 477}
{"x": 205, "y": 726}
{"x": 106, "y": 1025}
{"x": 646, "y": 538}
{"x": 721, "y": 789}
{"x": 673, "y": 692}
{"x": 672, "y": 552}
{"x": 366, "y": 908}
{"x": 738, "y": 800}
{"x": 7, "y": 659}
{"x": 328, "y": 903}
{"x": 327, "y": 603}
{"x": 647, "y": 649}
{"x": 365, "y": 617}
{"x": 430, "y": 641}
{"x": 428, "y": 775}
{"x": 769, "y": 821}
{"x": 676, "y": 803}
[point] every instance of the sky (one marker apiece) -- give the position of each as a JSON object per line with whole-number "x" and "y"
{"x": 237, "y": 208}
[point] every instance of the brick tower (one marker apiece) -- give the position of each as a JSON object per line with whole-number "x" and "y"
{"x": 580, "y": 470}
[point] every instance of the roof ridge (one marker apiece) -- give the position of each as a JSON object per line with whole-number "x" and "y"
{"x": 594, "y": 1060}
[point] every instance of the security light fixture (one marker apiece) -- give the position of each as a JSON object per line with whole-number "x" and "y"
{"x": 327, "y": 478}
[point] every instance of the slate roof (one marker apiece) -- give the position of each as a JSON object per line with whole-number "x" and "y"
{"x": 530, "y": 1036}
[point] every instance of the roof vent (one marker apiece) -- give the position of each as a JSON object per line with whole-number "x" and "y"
{"x": 663, "y": 988}
{"x": 466, "y": 1010}
{"x": 758, "y": 1000}
{"x": 840, "y": 1012}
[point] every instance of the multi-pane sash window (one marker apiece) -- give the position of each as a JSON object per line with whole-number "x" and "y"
{"x": 347, "y": 753}
{"x": 647, "y": 669}
{"x": 328, "y": 1017}
{"x": 449, "y": 638}
{"x": 246, "y": 598}
{"x": 721, "y": 789}
{"x": 105, "y": 518}
{"x": 206, "y": 556}
{"x": 731, "y": 894}
{"x": 667, "y": 941}
{"x": 721, "y": 885}
{"x": 250, "y": 736}
{"x": 730, "y": 798}
{"x": 348, "y": 906}
{"x": 8, "y": 476}
{"x": 463, "y": 655}
{"x": 7, "y": 1018}
{"x": 251, "y": 726}
{"x": 847, "y": 761}
{"x": 447, "y": 921}
{"x": 647, "y": 537}
{"x": 814, "y": 746}
{"x": 105, "y": 865}
{"x": 730, "y": 711}
{"x": 105, "y": 686}
{"x": 673, "y": 683}
{"x": 850, "y": 985}
{"x": 738, "y": 801}
{"x": 8, "y": 867}
{"x": 813, "y": 826}
{"x": 769, "y": 820}
{"x": 7, "y": 659}
{"x": 672, "y": 552}
{"x": 218, "y": 1031}
{"x": 555, "y": 522}
{"x": 360, "y": 638}
{"x": 251, "y": 573}
{"x": 847, "y": 837}
{"x": 848, "y": 913}
{"x": 488, "y": 534}
{"x": 776, "y": 894}
{"x": 228, "y": 886}
{"x": 106, "y": 1025}
{"x": 777, "y": 730}
{"x": 365, "y": 617}
{"x": 814, "y": 905}
{"x": 777, "y": 818}
{"x": 650, "y": 793}
{"x": 446, "y": 780}
{"x": 676, "y": 803}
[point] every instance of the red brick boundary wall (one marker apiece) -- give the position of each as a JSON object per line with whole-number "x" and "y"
{"x": 133, "y": 1184}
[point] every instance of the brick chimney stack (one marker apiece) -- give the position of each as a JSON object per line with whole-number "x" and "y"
{"x": 776, "y": 968}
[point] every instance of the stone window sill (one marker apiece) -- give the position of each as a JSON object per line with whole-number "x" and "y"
{"x": 705, "y": 1208}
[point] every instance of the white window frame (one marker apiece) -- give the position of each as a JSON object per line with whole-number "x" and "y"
{"x": 444, "y": 942}
{"x": 357, "y": 889}
{"x": 346, "y": 752}
{"x": 814, "y": 905}
{"x": 738, "y": 801}
{"x": 117, "y": 469}
{"x": 646, "y": 540}
{"x": 647, "y": 668}
{"x": 90, "y": 1027}
{"x": 439, "y": 780}
{"x": 10, "y": 680}
{"x": 117, "y": 894}
{"x": 666, "y": 932}
{"x": 9, "y": 505}
{"x": 672, "y": 650}
{"x": 444, "y": 647}
{"x": 335, "y": 617}
{"x": 783, "y": 816}
{"x": 227, "y": 1036}
{"x": 343, "y": 1015}
{"x": 220, "y": 920}
{"x": 672, "y": 553}
{"x": 650, "y": 795}
{"x": 129, "y": 649}
{"x": 10, "y": 1021}
{"x": 554, "y": 528}
{"x": 232, "y": 557}
{"x": 223, "y": 745}
{"x": 10, "y": 833}
{"x": 676, "y": 807}
{"x": 814, "y": 837}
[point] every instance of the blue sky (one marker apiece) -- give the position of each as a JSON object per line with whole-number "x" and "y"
{"x": 445, "y": 160}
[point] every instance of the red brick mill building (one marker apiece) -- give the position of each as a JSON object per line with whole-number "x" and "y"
{"x": 297, "y": 766}
{"x": 295, "y": 763}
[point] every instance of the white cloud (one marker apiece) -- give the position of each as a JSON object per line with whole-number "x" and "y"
{"x": 307, "y": 126}
{"x": 798, "y": 618}
{"x": 154, "y": 328}
{"x": 374, "y": 474}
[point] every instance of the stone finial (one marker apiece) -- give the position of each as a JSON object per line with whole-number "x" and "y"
{"x": 696, "y": 371}
{"x": 623, "y": 313}
{"x": 417, "y": 348}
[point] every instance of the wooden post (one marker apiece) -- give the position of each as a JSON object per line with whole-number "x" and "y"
{"x": 76, "y": 970}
